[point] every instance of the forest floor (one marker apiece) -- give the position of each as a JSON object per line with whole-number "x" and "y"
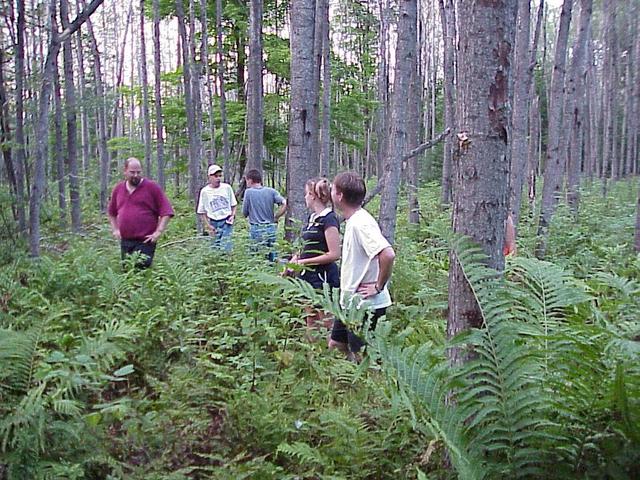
{"x": 199, "y": 366}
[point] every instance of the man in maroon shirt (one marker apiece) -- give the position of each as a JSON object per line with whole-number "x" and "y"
{"x": 139, "y": 212}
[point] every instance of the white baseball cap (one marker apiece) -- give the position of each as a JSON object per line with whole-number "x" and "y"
{"x": 213, "y": 169}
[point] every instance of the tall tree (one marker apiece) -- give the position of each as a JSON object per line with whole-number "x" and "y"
{"x": 448, "y": 21}
{"x": 42, "y": 126}
{"x": 223, "y": 99}
{"x": 204, "y": 54}
{"x": 554, "y": 166}
{"x": 301, "y": 164}
{"x": 194, "y": 159}
{"x": 71, "y": 121}
{"x": 255, "y": 103}
{"x": 146, "y": 131}
{"x": 382, "y": 87}
{"x": 5, "y": 133}
{"x": 405, "y": 64}
{"x": 158, "y": 93}
{"x": 576, "y": 84}
{"x": 20, "y": 141}
{"x": 486, "y": 42}
{"x": 58, "y": 150}
{"x": 325, "y": 129}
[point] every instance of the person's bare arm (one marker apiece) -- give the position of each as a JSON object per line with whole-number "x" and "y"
{"x": 386, "y": 257}
{"x": 332, "y": 236}
{"x": 207, "y": 226}
{"x": 114, "y": 227}
{"x": 162, "y": 225}
{"x": 281, "y": 211}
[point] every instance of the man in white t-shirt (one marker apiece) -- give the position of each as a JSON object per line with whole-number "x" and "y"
{"x": 367, "y": 261}
{"x": 217, "y": 208}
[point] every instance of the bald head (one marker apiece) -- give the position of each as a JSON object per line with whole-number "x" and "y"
{"x": 133, "y": 171}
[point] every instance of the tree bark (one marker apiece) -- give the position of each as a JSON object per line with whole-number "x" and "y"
{"x": 85, "y": 136}
{"x": 447, "y": 19}
{"x": 481, "y": 170}
{"x": 5, "y": 136}
{"x": 207, "y": 72}
{"x": 301, "y": 165}
{"x": 255, "y": 106}
{"x": 405, "y": 63}
{"x": 609, "y": 94}
{"x": 382, "y": 131}
{"x": 71, "y": 121}
{"x": 555, "y": 161}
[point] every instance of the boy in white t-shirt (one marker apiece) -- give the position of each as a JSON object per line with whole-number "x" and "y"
{"x": 367, "y": 261}
{"x": 217, "y": 208}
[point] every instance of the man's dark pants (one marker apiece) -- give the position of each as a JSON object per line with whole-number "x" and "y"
{"x": 147, "y": 250}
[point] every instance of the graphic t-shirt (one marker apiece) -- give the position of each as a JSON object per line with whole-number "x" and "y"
{"x": 217, "y": 202}
{"x": 362, "y": 242}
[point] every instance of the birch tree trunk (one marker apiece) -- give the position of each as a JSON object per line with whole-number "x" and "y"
{"x": 255, "y": 106}
{"x": 158, "y": 94}
{"x": 447, "y": 18}
{"x": 555, "y": 161}
{"x": 301, "y": 165}
{"x": 481, "y": 170}
{"x": 574, "y": 105}
{"x": 405, "y": 63}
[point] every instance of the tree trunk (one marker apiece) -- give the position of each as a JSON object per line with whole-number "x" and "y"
{"x": 146, "y": 132}
{"x": 635, "y": 115}
{"x": 5, "y": 136}
{"x": 555, "y": 160}
{"x": 414, "y": 115}
{"x": 207, "y": 72}
{"x": 101, "y": 119}
{"x": 535, "y": 150}
{"x": 20, "y": 141}
{"x": 255, "y": 108}
{"x": 481, "y": 170}
{"x": 609, "y": 94}
{"x": 447, "y": 19}
{"x": 223, "y": 101}
{"x": 158, "y": 93}
{"x": 85, "y": 136}
{"x": 196, "y": 102}
{"x": 301, "y": 165}
{"x": 72, "y": 128}
{"x": 325, "y": 132}
{"x": 576, "y": 85}
{"x": 58, "y": 150}
{"x": 188, "y": 100}
{"x": 43, "y": 117}
{"x": 405, "y": 64}
{"x": 382, "y": 131}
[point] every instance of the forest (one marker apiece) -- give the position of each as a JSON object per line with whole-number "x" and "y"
{"x": 499, "y": 142}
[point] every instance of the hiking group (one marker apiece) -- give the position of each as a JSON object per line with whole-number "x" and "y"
{"x": 139, "y": 212}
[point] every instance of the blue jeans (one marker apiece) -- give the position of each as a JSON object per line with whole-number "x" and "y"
{"x": 222, "y": 238}
{"x": 263, "y": 236}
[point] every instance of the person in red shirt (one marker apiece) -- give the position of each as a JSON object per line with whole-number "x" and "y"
{"x": 138, "y": 212}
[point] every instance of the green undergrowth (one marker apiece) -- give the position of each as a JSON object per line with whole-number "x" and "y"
{"x": 199, "y": 367}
